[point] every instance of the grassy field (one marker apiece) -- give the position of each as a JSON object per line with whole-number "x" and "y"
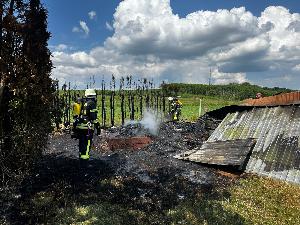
{"x": 252, "y": 200}
{"x": 248, "y": 201}
{"x": 191, "y": 105}
{"x": 190, "y": 109}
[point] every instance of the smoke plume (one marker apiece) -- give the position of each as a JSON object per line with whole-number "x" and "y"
{"x": 149, "y": 122}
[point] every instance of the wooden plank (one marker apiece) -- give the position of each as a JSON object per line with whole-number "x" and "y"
{"x": 231, "y": 152}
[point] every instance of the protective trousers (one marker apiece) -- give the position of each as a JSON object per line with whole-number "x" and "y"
{"x": 85, "y": 144}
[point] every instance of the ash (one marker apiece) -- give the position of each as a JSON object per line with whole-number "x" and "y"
{"x": 150, "y": 179}
{"x": 132, "y": 130}
{"x": 171, "y": 139}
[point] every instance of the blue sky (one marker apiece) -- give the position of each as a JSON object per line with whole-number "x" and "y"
{"x": 132, "y": 31}
{"x": 63, "y": 17}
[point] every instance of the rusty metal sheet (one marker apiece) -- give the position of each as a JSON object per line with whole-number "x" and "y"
{"x": 281, "y": 99}
{"x": 231, "y": 152}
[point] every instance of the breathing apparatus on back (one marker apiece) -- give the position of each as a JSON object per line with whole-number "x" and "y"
{"x": 86, "y": 106}
{"x": 85, "y": 112}
{"x": 89, "y": 105}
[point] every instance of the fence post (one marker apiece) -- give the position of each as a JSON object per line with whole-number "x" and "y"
{"x": 132, "y": 107}
{"x": 141, "y": 105}
{"x": 69, "y": 103}
{"x": 122, "y": 107}
{"x": 200, "y": 107}
{"x": 56, "y": 104}
{"x": 103, "y": 104}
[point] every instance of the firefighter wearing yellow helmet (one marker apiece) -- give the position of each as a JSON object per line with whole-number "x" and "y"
{"x": 175, "y": 107}
{"x": 85, "y": 122}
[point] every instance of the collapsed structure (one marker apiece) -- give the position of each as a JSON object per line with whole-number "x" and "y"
{"x": 260, "y": 136}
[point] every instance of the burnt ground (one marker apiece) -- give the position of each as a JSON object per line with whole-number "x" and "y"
{"x": 149, "y": 180}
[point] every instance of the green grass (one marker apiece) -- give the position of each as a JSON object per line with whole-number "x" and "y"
{"x": 99, "y": 213}
{"x": 190, "y": 109}
{"x": 251, "y": 200}
{"x": 266, "y": 201}
{"x": 191, "y": 105}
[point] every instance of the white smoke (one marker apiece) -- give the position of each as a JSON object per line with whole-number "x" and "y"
{"x": 149, "y": 122}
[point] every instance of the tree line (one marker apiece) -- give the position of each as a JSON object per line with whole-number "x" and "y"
{"x": 231, "y": 91}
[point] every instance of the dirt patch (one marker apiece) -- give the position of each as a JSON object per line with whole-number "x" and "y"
{"x": 232, "y": 175}
{"x": 134, "y": 143}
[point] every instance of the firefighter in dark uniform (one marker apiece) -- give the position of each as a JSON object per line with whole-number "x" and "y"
{"x": 85, "y": 122}
{"x": 175, "y": 108}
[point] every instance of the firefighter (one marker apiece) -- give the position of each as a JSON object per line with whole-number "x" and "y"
{"x": 175, "y": 108}
{"x": 85, "y": 122}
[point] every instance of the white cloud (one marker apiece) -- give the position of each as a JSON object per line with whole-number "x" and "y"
{"x": 75, "y": 29}
{"x": 104, "y": 62}
{"x": 297, "y": 68}
{"x": 80, "y": 59}
{"x": 108, "y": 26}
{"x": 83, "y": 28}
{"x": 60, "y": 47}
{"x": 226, "y": 78}
{"x": 150, "y": 40}
{"x": 92, "y": 15}
{"x": 249, "y": 48}
{"x": 150, "y": 27}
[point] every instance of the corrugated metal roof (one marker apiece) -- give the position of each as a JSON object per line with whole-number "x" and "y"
{"x": 276, "y": 130}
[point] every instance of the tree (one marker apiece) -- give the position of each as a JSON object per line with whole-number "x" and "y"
{"x": 25, "y": 71}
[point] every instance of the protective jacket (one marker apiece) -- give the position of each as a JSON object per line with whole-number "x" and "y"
{"x": 176, "y": 106}
{"x": 88, "y": 114}
{"x": 85, "y": 122}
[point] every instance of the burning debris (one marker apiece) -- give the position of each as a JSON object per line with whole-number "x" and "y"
{"x": 166, "y": 137}
{"x": 149, "y": 123}
{"x": 158, "y": 150}
{"x": 132, "y": 136}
